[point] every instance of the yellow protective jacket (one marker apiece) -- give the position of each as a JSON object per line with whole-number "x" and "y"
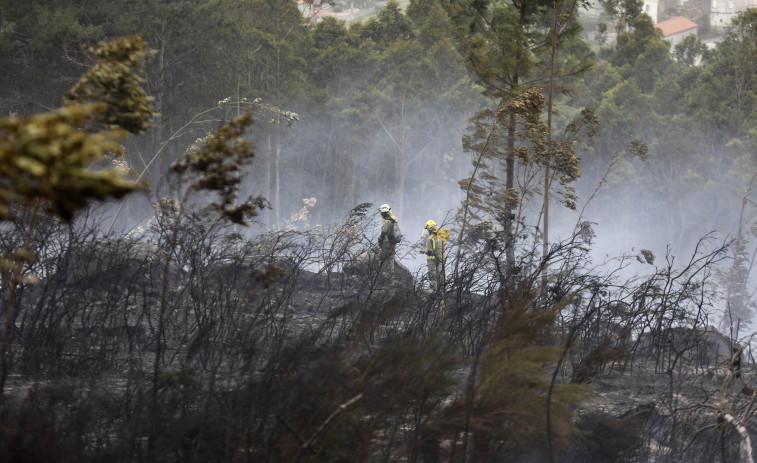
{"x": 434, "y": 248}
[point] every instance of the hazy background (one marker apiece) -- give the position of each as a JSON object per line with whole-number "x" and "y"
{"x": 383, "y": 101}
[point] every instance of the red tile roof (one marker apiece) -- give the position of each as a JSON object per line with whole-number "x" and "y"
{"x": 675, "y": 25}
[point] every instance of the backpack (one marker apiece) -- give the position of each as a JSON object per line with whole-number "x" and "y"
{"x": 395, "y": 235}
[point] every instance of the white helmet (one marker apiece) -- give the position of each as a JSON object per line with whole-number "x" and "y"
{"x": 385, "y": 208}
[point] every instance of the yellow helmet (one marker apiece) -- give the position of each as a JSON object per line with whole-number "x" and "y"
{"x": 430, "y": 225}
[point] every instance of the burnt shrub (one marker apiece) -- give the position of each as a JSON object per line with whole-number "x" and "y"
{"x": 609, "y": 439}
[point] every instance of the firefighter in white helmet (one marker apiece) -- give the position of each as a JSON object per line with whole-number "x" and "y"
{"x": 434, "y": 256}
{"x": 388, "y": 240}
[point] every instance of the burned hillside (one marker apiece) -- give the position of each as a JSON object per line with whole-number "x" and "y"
{"x": 292, "y": 345}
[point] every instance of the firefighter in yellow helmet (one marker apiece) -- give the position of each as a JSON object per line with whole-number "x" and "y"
{"x": 434, "y": 256}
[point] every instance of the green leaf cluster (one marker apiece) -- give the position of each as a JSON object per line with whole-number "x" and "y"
{"x": 693, "y": 108}
{"x": 53, "y": 157}
{"x": 216, "y": 165}
{"x": 49, "y": 157}
{"x": 115, "y": 81}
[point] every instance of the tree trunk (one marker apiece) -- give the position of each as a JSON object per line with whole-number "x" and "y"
{"x": 510, "y": 205}
{"x": 268, "y": 172}
{"x": 745, "y": 446}
{"x": 160, "y": 93}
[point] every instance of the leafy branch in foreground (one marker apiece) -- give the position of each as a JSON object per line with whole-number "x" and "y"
{"x": 50, "y": 159}
{"x": 114, "y": 80}
{"x": 212, "y": 164}
{"x": 215, "y": 167}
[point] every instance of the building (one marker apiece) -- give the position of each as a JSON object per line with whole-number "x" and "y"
{"x": 674, "y": 30}
{"x": 722, "y": 12}
{"x": 711, "y": 15}
{"x": 651, "y": 8}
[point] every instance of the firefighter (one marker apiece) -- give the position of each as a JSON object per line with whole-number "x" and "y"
{"x": 434, "y": 256}
{"x": 388, "y": 240}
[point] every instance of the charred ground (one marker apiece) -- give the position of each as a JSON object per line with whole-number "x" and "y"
{"x": 291, "y": 346}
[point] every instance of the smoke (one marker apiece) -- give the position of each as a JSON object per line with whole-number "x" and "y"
{"x": 361, "y": 148}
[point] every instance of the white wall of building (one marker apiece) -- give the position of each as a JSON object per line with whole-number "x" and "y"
{"x": 722, "y": 12}
{"x": 675, "y": 39}
{"x": 651, "y": 8}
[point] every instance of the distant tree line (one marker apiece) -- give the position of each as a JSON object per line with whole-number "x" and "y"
{"x": 383, "y": 103}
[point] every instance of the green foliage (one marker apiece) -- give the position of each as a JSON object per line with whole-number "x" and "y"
{"x": 506, "y": 408}
{"x": 40, "y": 42}
{"x": 216, "y": 164}
{"x": 206, "y": 50}
{"x": 434, "y": 27}
{"x": 487, "y": 196}
{"x": 689, "y": 50}
{"x": 641, "y": 53}
{"x": 625, "y": 109}
{"x": 625, "y": 10}
{"x": 691, "y": 117}
{"x": 562, "y": 156}
{"x": 494, "y": 41}
{"x": 49, "y": 157}
{"x": 114, "y": 80}
{"x": 389, "y": 25}
{"x": 726, "y": 82}
{"x": 419, "y": 10}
